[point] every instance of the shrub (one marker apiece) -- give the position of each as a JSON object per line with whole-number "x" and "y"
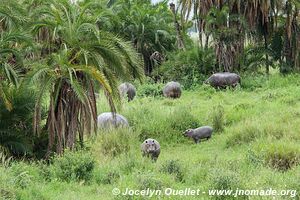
{"x": 116, "y": 142}
{"x": 73, "y": 166}
{"x": 218, "y": 119}
{"x": 182, "y": 119}
{"x": 150, "y": 90}
{"x": 251, "y": 82}
{"x": 223, "y": 180}
{"x": 4, "y": 160}
{"x": 243, "y": 134}
{"x": 16, "y": 127}
{"x": 280, "y": 156}
{"x": 173, "y": 167}
{"x": 253, "y": 157}
{"x": 149, "y": 181}
{"x": 106, "y": 176}
{"x": 249, "y": 131}
{"x": 187, "y": 67}
{"x": 7, "y": 194}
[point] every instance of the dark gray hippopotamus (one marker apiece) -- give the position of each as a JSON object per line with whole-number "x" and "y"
{"x": 197, "y": 134}
{"x": 223, "y": 80}
{"x": 172, "y": 90}
{"x": 108, "y": 120}
{"x": 127, "y": 90}
{"x": 150, "y": 148}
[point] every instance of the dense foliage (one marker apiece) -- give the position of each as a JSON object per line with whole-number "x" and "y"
{"x": 64, "y": 51}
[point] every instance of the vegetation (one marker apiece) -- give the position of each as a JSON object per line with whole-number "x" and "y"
{"x": 253, "y": 151}
{"x": 61, "y": 62}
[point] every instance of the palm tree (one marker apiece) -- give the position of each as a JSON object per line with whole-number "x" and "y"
{"x": 10, "y": 60}
{"x": 12, "y": 15}
{"x": 149, "y": 27}
{"x": 80, "y": 55}
{"x": 291, "y": 53}
{"x": 178, "y": 27}
{"x": 12, "y": 40}
{"x": 16, "y": 136}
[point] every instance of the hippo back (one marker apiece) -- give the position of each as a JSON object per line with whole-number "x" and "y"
{"x": 223, "y": 79}
{"x": 172, "y": 90}
{"x": 108, "y": 121}
{"x": 203, "y": 131}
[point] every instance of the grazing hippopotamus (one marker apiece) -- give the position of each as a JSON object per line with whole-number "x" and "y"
{"x": 172, "y": 90}
{"x": 109, "y": 120}
{"x": 127, "y": 90}
{"x": 224, "y": 79}
{"x": 150, "y": 148}
{"x": 199, "y": 133}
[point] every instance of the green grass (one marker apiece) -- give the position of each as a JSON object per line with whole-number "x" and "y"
{"x": 257, "y": 146}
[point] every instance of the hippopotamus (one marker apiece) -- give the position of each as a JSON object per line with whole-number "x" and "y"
{"x": 223, "y": 80}
{"x": 109, "y": 120}
{"x": 197, "y": 134}
{"x": 172, "y": 90}
{"x": 127, "y": 90}
{"x": 150, "y": 148}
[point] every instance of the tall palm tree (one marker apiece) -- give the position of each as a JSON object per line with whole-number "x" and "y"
{"x": 149, "y": 27}
{"x": 80, "y": 55}
{"x": 291, "y": 53}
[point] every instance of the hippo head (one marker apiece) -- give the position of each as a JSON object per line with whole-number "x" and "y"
{"x": 188, "y": 133}
{"x": 151, "y": 145}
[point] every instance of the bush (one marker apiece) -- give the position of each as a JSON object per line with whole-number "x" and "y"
{"x": 73, "y": 166}
{"x": 106, "y": 176}
{"x": 173, "y": 167}
{"x": 187, "y": 67}
{"x": 218, "y": 119}
{"x": 4, "y": 160}
{"x": 150, "y": 90}
{"x": 7, "y": 194}
{"x": 249, "y": 131}
{"x": 182, "y": 119}
{"x": 243, "y": 134}
{"x": 280, "y": 156}
{"x": 116, "y": 142}
{"x": 16, "y": 127}
{"x": 167, "y": 126}
{"x": 223, "y": 180}
{"x": 149, "y": 181}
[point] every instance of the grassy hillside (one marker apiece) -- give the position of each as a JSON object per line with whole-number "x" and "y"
{"x": 256, "y": 145}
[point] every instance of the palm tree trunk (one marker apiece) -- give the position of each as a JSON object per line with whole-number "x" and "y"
{"x": 180, "y": 43}
{"x": 266, "y": 51}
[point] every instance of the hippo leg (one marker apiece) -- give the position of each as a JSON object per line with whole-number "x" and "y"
{"x": 208, "y": 137}
{"x": 154, "y": 157}
{"x": 197, "y": 140}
